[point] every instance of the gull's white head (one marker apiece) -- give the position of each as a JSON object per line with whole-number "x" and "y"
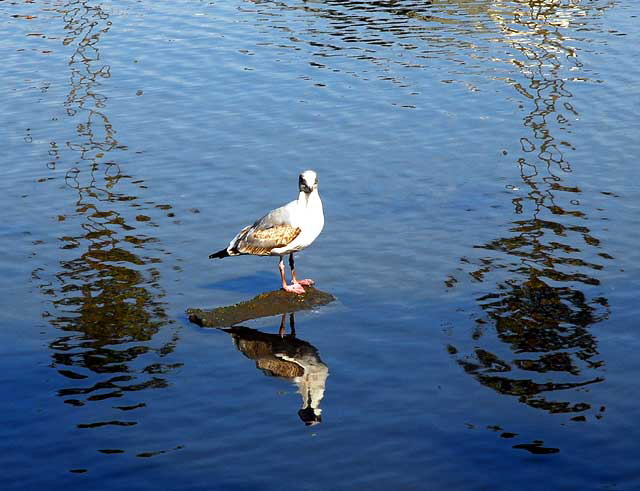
{"x": 308, "y": 181}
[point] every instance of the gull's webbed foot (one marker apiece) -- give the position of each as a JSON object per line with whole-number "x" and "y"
{"x": 294, "y": 288}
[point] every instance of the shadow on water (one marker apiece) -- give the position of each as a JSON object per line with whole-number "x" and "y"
{"x": 543, "y": 303}
{"x": 279, "y": 355}
{"x": 260, "y": 281}
{"x": 106, "y": 298}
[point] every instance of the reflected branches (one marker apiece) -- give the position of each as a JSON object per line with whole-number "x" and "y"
{"x": 543, "y": 304}
{"x": 106, "y": 296}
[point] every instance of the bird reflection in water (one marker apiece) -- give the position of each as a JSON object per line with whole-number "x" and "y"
{"x": 285, "y": 356}
{"x": 277, "y": 355}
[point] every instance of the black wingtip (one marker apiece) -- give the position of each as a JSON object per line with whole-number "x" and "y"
{"x": 219, "y": 254}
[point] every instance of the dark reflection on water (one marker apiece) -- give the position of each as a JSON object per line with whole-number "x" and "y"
{"x": 543, "y": 304}
{"x": 285, "y": 356}
{"x": 106, "y": 297}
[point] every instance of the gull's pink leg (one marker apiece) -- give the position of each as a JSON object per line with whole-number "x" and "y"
{"x": 294, "y": 287}
{"x": 305, "y": 282}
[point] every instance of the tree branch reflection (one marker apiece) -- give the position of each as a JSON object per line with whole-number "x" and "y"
{"x": 105, "y": 297}
{"x": 539, "y": 309}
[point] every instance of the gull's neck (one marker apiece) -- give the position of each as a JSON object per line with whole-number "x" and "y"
{"x": 308, "y": 200}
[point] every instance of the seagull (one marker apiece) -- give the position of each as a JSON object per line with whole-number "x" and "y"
{"x": 283, "y": 231}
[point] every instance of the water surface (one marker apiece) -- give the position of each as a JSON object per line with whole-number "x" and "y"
{"x": 477, "y": 167}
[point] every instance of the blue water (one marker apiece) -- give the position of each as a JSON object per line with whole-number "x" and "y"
{"x": 477, "y": 165}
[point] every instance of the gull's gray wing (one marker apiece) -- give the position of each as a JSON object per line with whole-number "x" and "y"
{"x": 272, "y": 231}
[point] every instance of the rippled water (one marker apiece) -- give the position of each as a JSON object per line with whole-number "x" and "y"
{"x": 477, "y": 163}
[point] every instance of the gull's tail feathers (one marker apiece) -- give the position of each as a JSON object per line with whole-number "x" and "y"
{"x": 219, "y": 255}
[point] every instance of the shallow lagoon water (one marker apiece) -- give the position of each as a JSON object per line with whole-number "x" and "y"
{"x": 477, "y": 163}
